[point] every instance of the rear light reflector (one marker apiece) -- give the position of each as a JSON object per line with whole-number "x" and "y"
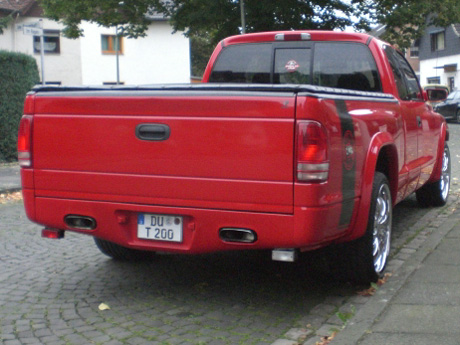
{"x": 25, "y": 141}
{"x": 54, "y": 234}
{"x": 312, "y": 172}
{"x": 312, "y": 163}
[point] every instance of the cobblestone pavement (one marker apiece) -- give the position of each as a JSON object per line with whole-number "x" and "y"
{"x": 51, "y": 291}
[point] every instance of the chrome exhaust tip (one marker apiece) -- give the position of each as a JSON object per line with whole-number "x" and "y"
{"x": 79, "y": 222}
{"x": 237, "y": 235}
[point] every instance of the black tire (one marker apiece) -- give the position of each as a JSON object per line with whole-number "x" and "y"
{"x": 457, "y": 116}
{"x": 117, "y": 252}
{"x": 363, "y": 260}
{"x": 437, "y": 193}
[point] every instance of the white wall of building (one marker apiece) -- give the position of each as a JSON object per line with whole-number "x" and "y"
{"x": 64, "y": 67}
{"x": 428, "y": 70}
{"x": 160, "y": 57}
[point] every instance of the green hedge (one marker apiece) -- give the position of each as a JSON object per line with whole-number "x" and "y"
{"x": 18, "y": 74}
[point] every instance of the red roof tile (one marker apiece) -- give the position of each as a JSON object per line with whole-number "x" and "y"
{"x": 21, "y": 6}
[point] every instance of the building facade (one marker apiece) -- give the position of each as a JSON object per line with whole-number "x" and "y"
{"x": 440, "y": 56}
{"x": 159, "y": 57}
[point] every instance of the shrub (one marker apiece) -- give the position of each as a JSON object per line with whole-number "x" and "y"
{"x": 18, "y": 74}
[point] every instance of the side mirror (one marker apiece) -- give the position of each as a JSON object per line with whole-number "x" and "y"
{"x": 437, "y": 94}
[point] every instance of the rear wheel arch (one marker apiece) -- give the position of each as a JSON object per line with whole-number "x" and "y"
{"x": 387, "y": 164}
{"x": 381, "y": 157}
{"x": 443, "y": 141}
{"x": 363, "y": 260}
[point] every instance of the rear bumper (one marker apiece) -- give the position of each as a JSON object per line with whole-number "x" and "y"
{"x": 117, "y": 222}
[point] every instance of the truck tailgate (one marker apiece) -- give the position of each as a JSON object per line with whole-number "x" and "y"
{"x": 225, "y": 150}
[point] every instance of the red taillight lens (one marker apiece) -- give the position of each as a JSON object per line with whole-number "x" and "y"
{"x": 25, "y": 141}
{"x": 312, "y": 152}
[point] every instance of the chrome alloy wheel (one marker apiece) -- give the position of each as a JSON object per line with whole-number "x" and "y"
{"x": 381, "y": 233}
{"x": 445, "y": 175}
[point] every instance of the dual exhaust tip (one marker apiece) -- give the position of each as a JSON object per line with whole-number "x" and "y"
{"x": 73, "y": 221}
{"x": 233, "y": 235}
{"x": 250, "y": 236}
{"x": 79, "y": 222}
{"x": 237, "y": 235}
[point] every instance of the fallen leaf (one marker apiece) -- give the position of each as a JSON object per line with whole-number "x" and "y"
{"x": 373, "y": 288}
{"x": 326, "y": 340}
{"x": 103, "y": 306}
{"x": 4, "y": 198}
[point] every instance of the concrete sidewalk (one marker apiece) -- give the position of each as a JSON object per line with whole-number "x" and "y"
{"x": 10, "y": 179}
{"x": 420, "y": 303}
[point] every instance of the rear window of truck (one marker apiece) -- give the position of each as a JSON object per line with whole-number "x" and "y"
{"x": 331, "y": 64}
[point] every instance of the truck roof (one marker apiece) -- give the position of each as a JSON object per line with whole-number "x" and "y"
{"x": 301, "y": 35}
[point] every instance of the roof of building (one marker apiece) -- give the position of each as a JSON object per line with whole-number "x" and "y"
{"x": 31, "y": 8}
{"x": 17, "y": 6}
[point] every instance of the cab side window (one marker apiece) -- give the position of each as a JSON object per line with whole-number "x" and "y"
{"x": 405, "y": 78}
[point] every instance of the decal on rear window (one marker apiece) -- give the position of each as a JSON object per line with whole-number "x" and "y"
{"x": 291, "y": 66}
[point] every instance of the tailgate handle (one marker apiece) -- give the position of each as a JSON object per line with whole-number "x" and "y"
{"x": 152, "y": 132}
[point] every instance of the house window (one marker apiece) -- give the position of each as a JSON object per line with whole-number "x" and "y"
{"x": 51, "y": 39}
{"x": 109, "y": 44}
{"x": 438, "y": 40}
{"x": 434, "y": 80}
{"x": 414, "y": 49}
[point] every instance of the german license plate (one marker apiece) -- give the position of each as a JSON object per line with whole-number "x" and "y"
{"x": 159, "y": 227}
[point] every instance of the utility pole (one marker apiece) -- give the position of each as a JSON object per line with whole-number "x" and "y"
{"x": 117, "y": 48}
{"x": 243, "y": 17}
{"x": 42, "y": 52}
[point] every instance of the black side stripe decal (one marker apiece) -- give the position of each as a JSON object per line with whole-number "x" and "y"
{"x": 348, "y": 162}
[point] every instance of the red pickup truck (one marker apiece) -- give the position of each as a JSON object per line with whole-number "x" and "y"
{"x": 294, "y": 141}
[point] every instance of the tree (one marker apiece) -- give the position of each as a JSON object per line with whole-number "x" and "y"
{"x": 4, "y": 23}
{"x": 407, "y": 20}
{"x": 18, "y": 74}
{"x": 201, "y": 50}
{"x": 212, "y": 20}
{"x": 130, "y": 15}
{"x": 216, "y": 18}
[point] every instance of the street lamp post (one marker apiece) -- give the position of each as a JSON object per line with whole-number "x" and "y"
{"x": 243, "y": 18}
{"x": 117, "y": 48}
{"x": 42, "y": 51}
{"x": 117, "y": 44}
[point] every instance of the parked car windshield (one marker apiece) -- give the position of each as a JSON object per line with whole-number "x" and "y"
{"x": 454, "y": 95}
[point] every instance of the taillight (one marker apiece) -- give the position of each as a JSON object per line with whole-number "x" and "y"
{"x": 312, "y": 152}
{"x": 25, "y": 141}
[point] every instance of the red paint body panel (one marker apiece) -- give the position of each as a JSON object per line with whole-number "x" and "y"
{"x": 200, "y": 159}
{"x": 230, "y": 158}
{"x": 201, "y": 226}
